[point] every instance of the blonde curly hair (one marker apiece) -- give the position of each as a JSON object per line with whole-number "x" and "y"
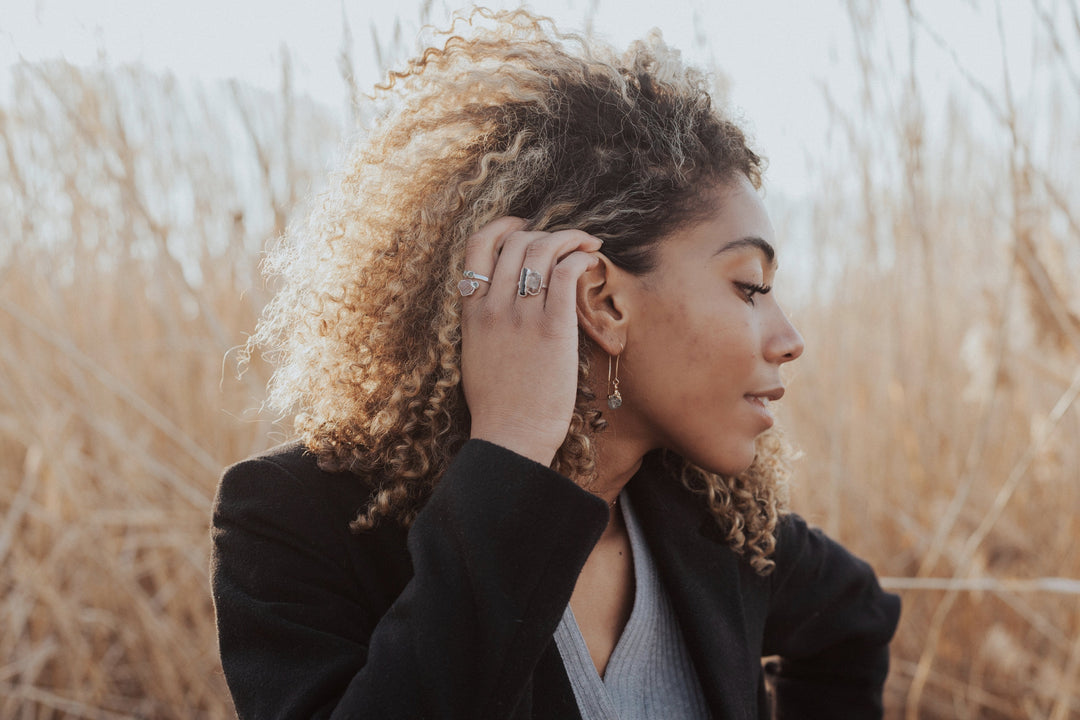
{"x": 510, "y": 118}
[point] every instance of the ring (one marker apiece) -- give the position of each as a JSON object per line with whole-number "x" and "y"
{"x": 472, "y": 281}
{"x": 530, "y": 282}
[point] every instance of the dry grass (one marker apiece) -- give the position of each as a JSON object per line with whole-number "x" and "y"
{"x": 936, "y": 404}
{"x": 134, "y": 273}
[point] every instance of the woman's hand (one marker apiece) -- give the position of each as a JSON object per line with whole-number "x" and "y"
{"x": 519, "y": 355}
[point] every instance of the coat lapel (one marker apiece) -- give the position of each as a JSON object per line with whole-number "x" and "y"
{"x": 552, "y": 694}
{"x": 702, "y": 576}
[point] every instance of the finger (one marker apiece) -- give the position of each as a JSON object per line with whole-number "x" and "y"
{"x": 482, "y": 248}
{"x": 542, "y": 253}
{"x": 544, "y": 256}
{"x": 561, "y": 301}
{"x": 512, "y": 258}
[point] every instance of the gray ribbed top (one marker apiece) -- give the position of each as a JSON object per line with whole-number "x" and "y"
{"x": 649, "y": 674}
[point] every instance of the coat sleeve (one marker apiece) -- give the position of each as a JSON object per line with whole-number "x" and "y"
{"x": 830, "y": 623}
{"x": 495, "y": 552}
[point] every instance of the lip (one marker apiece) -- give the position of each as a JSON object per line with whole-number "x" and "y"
{"x": 772, "y": 394}
{"x": 760, "y": 402}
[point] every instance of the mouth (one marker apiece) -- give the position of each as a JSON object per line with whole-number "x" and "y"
{"x": 761, "y": 400}
{"x": 765, "y": 396}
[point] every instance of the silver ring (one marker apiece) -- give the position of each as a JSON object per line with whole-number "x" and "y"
{"x": 471, "y": 282}
{"x": 476, "y": 276}
{"x": 530, "y": 282}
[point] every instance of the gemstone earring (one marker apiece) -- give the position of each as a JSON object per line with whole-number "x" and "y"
{"x": 614, "y": 400}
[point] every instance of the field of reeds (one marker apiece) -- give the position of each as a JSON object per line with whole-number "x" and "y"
{"x": 936, "y": 405}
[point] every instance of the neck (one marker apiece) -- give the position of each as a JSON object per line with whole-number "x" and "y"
{"x": 616, "y": 463}
{"x": 619, "y": 448}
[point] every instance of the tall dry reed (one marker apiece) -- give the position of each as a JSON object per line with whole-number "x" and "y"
{"x": 937, "y": 401}
{"x": 136, "y": 213}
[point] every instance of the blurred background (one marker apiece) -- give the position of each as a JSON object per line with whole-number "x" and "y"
{"x": 924, "y": 182}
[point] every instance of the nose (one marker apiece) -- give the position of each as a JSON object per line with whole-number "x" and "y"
{"x": 784, "y": 342}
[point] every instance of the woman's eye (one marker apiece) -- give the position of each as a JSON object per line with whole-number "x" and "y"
{"x": 749, "y": 290}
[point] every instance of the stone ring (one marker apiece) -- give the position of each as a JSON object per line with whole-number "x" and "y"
{"x": 471, "y": 282}
{"x": 530, "y": 282}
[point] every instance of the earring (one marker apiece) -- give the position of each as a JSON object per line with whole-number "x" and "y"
{"x": 614, "y": 400}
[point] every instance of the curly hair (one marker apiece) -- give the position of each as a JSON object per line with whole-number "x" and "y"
{"x": 511, "y": 118}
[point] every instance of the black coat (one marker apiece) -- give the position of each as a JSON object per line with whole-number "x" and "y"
{"x": 454, "y": 617}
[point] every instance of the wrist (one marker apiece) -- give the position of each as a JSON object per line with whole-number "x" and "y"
{"x": 517, "y": 443}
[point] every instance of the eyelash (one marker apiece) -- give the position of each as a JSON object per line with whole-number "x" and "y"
{"x": 751, "y": 289}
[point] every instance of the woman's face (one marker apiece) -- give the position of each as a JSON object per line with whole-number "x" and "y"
{"x": 705, "y": 340}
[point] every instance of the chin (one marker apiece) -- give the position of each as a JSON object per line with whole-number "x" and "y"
{"x": 730, "y": 461}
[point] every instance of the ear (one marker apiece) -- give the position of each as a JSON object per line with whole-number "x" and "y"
{"x": 601, "y": 308}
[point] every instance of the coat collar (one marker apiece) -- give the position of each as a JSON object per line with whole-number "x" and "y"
{"x": 704, "y": 579}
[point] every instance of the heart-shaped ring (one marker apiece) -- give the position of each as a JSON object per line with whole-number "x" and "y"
{"x": 472, "y": 281}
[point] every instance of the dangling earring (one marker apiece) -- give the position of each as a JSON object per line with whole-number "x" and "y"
{"x": 614, "y": 400}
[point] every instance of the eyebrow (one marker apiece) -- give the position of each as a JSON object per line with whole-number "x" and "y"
{"x": 753, "y": 242}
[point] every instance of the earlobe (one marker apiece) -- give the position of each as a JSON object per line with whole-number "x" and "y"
{"x": 600, "y": 305}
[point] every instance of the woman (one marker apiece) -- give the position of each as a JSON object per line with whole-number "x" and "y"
{"x": 531, "y": 344}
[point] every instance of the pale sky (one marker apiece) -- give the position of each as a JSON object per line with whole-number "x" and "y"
{"x": 778, "y": 54}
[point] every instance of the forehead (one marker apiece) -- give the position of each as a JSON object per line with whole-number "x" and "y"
{"x": 734, "y": 221}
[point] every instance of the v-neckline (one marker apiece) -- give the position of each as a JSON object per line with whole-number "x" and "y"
{"x": 644, "y": 582}
{"x": 651, "y": 635}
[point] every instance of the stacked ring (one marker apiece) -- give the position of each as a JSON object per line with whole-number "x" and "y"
{"x": 471, "y": 282}
{"x": 530, "y": 282}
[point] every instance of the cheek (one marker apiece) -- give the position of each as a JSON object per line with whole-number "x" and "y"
{"x": 717, "y": 342}
{"x": 694, "y": 338}
{"x": 675, "y": 333}
{"x": 698, "y": 332}
{"x": 698, "y": 341}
